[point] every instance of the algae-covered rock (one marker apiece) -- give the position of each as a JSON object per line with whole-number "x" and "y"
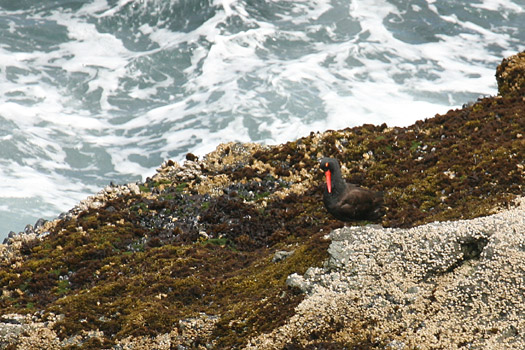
{"x": 436, "y": 286}
{"x": 218, "y": 252}
{"x": 510, "y": 76}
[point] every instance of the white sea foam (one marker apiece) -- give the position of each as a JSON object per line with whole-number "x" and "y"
{"x": 109, "y": 91}
{"x": 503, "y": 7}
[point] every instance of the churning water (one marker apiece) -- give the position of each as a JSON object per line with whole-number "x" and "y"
{"x": 94, "y": 91}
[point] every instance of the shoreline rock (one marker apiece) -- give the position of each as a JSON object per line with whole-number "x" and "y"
{"x": 197, "y": 256}
{"x": 441, "y": 285}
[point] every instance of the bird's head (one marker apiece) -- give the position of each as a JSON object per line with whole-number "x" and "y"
{"x": 328, "y": 165}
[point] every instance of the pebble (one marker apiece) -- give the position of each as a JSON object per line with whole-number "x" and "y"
{"x": 281, "y": 255}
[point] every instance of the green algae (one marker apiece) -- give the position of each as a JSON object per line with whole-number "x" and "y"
{"x": 183, "y": 282}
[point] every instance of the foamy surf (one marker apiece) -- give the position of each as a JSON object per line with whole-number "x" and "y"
{"x": 101, "y": 91}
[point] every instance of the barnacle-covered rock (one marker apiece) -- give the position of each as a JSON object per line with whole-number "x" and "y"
{"x": 510, "y": 76}
{"x": 435, "y": 286}
{"x": 187, "y": 258}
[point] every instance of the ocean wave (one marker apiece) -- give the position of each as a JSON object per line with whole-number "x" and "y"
{"x": 105, "y": 90}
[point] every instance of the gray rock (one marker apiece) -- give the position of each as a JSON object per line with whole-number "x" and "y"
{"x": 281, "y": 255}
{"x": 443, "y": 285}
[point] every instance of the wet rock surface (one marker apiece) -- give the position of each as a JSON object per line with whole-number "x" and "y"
{"x": 197, "y": 255}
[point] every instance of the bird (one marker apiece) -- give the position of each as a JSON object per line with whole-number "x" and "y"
{"x": 346, "y": 201}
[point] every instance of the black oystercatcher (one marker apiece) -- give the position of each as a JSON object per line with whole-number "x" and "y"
{"x": 348, "y": 202}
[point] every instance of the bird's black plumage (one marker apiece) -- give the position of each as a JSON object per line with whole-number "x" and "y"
{"x": 348, "y": 202}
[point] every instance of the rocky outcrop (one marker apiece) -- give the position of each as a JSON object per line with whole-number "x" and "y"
{"x": 236, "y": 250}
{"x": 446, "y": 285}
{"x": 510, "y": 76}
